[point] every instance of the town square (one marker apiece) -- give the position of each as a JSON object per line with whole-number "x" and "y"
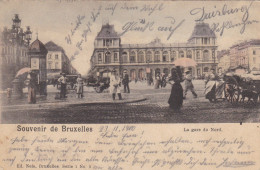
{"x": 157, "y": 65}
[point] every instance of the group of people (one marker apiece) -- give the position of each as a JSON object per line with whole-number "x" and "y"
{"x": 160, "y": 81}
{"x": 214, "y": 87}
{"x": 115, "y": 84}
{"x": 63, "y": 80}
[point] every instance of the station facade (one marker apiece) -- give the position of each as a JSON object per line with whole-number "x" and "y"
{"x": 144, "y": 60}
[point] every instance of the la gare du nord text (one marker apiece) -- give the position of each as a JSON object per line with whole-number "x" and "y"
{"x": 64, "y": 128}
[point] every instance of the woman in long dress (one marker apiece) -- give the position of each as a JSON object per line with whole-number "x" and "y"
{"x": 80, "y": 86}
{"x": 220, "y": 85}
{"x": 210, "y": 86}
{"x": 176, "y": 98}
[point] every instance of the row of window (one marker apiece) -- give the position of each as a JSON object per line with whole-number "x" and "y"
{"x": 140, "y": 58}
{"x": 56, "y": 56}
{"x": 49, "y": 66}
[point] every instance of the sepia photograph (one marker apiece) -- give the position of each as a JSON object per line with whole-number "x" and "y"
{"x": 129, "y": 62}
{"x": 129, "y": 85}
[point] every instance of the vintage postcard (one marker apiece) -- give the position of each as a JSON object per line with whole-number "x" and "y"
{"x": 116, "y": 85}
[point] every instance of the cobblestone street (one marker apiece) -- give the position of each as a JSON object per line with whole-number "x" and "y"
{"x": 153, "y": 110}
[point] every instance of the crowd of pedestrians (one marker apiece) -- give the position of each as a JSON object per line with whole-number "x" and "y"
{"x": 214, "y": 86}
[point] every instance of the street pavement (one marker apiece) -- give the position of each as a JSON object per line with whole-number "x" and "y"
{"x": 143, "y": 105}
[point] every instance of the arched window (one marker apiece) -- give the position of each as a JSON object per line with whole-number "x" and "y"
{"x": 132, "y": 74}
{"x": 132, "y": 57}
{"x": 189, "y": 54}
{"x": 149, "y": 56}
{"x": 173, "y": 55}
{"x": 124, "y": 56}
{"x": 140, "y": 57}
{"x": 165, "y": 56}
{"x": 181, "y": 54}
{"x": 141, "y": 74}
{"x": 157, "y": 56}
{"x": 205, "y": 55}
{"x": 198, "y": 54}
{"x": 108, "y": 57}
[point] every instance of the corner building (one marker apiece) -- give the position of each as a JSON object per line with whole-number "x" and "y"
{"x": 145, "y": 60}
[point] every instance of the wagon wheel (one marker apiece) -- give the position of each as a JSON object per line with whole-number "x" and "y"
{"x": 229, "y": 91}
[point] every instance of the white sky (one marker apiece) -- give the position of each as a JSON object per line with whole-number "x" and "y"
{"x": 54, "y": 19}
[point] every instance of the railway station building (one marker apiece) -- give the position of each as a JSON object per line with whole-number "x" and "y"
{"x": 144, "y": 60}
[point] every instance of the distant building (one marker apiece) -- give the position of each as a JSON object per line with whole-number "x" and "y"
{"x": 57, "y": 61}
{"x": 14, "y": 45}
{"x": 146, "y": 60}
{"x": 246, "y": 54}
{"x": 223, "y": 60}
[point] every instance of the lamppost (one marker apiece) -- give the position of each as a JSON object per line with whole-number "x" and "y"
{"x": 28, "y": 35}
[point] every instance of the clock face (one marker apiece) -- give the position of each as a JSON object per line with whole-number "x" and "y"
{"x": 34, "y": 63}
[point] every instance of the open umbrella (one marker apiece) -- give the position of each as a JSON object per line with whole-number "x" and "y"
{"x": 23, "y": 71}
{"x": 185, "y": 62}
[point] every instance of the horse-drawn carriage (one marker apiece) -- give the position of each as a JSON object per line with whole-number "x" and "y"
{"x": 244, "y": 88}
{"x": 99, "y": 84}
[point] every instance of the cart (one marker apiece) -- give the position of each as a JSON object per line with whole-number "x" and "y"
{"x": 243, "y": 88}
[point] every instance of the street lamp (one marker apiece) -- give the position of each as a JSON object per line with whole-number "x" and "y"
{"x": 28, "y": 35}
{"x": 16, "y": 21}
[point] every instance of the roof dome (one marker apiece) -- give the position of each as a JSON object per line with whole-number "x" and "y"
{"x": 107, "y": 31}
{"x": 202, "y": 30}
{"x": 37, "y": 47}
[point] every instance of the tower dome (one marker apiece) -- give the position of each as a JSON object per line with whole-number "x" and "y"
{"x": 37, "y": 47}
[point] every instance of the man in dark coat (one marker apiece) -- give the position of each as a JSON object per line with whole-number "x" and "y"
{"x": 63, "y": 82}
{"x": 126, "y": 82}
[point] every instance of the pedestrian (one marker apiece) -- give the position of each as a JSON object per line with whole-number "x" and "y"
{"x": 115, "y": 85}
{"x": 32, "y": 85}
{"x": 176, "y": 98}
{"x": 157, "y": 81}
{"x": 220, "y": 85}
{"x": 63, "y": 82}
{"x": 80, "y": 89}
{"x": 188, "y": 85}
{"x": 125, "y": 82}
{"x": 163, "y": 81}
{"x": 210, "y": 86}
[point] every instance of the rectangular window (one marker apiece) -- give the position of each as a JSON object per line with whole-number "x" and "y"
{"x": 205, "y": 41}
{"x": 56, "y": 65}
{"x": 56, "y": 56}
{"x": 49, "y": 56}
{"x": 254, "y": 52}
{"x": 115, "y": 57}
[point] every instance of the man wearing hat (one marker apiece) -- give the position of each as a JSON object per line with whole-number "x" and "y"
{"x": 125, "y": 82}
{"x": 63, "y": 82}
{"x": 115, "y": 85}
{"x": 188, "y": 84}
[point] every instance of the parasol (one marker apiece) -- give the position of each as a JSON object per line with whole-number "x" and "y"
{"x": 23, "y": 71}
{"x": 185, "y": 62}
